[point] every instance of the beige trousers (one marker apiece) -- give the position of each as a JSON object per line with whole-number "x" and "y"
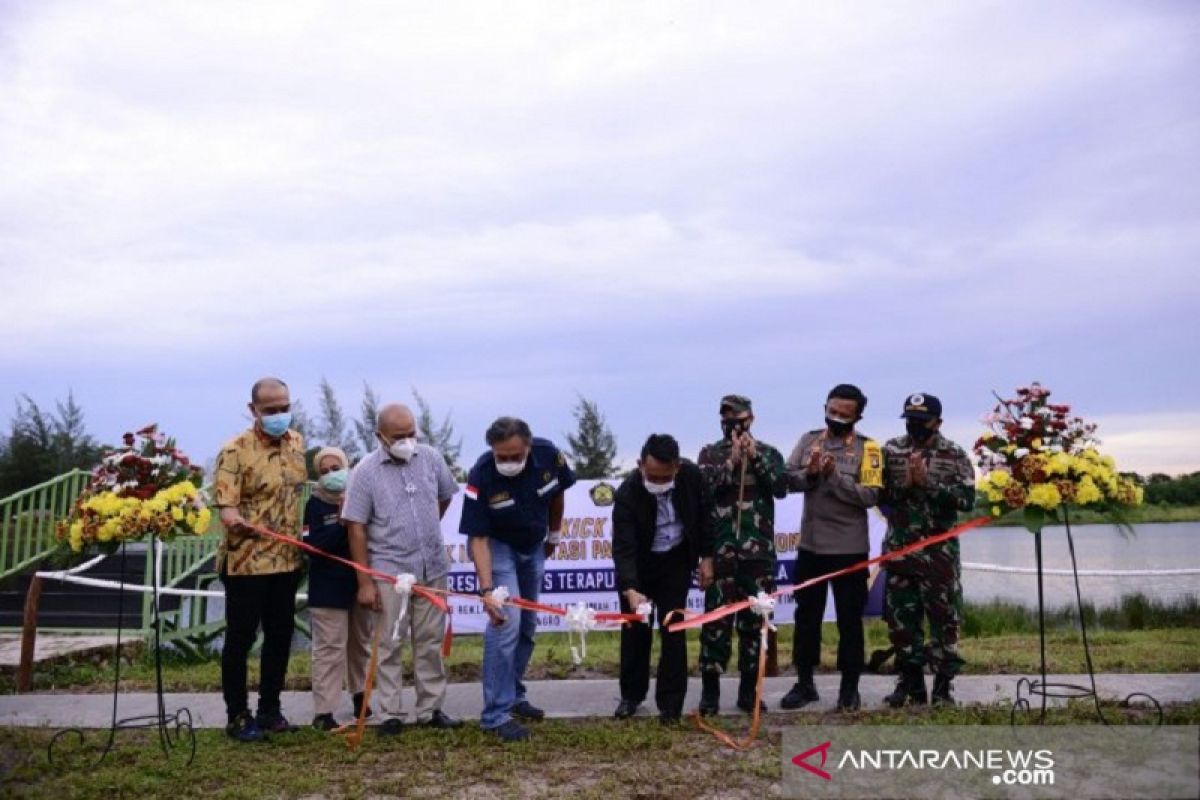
{"x": 339, "y": 655}
{"x": 423, "y": 626}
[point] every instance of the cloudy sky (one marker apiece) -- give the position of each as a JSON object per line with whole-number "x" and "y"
{"x": 651, "y": 204}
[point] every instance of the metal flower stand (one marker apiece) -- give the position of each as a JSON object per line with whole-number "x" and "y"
{"x": 1045, "y": 689}
{"x": 175, "y": 731}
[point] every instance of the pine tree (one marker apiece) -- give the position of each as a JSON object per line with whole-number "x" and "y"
{"x": 440, "y": 437}
{"x": 367, "y": 424}
{"x": 332, "y": 432}
{"x": 593, "y": 446}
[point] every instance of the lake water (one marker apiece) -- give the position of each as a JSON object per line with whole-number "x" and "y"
{"x": 1174, "y": 545}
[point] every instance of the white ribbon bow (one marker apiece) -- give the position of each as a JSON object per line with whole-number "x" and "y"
{"x": 580, "y": 619}
{"x": 403, "y": 586}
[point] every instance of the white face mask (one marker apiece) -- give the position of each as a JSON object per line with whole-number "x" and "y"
{"x": 658, "y": 488}
{"x": 511, "y": 469}
{"x": 403, "y": 449}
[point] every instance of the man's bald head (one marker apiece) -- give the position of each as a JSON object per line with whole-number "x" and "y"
{"x": 395, "y": 421}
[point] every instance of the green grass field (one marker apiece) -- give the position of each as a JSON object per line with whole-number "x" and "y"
{"x": 1136, "y": 635}
{"x": 602, "y": 759}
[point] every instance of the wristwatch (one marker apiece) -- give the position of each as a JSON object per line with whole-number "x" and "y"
{"x": 487, "y": 591}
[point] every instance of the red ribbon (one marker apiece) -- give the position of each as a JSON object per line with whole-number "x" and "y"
{"x": 732, "y": 608}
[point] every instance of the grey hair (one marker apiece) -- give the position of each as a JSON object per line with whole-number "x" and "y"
{"x": 506, "y": 428}
{"x": 260, "y": 383}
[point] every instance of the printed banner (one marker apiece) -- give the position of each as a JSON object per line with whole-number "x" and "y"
{"x": 581, "y": 570}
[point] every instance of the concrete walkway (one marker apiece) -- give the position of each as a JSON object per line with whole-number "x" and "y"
{"x": 565, "y": 699}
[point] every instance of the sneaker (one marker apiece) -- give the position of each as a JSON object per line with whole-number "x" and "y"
{"x": 511, "y": 731}
{"x": 391, "y": 727}
{"x": 324, "y": 722}
{"x": 244, "y": 728}
{"x": 527, "y": 711}
{"x": 669, "y": 718}
{"x": 273, "y": 722}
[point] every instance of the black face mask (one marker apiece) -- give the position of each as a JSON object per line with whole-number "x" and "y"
{"x": 731, "y": 426}
{"x": 917, "y": 430}
{"x": 837, "y": 427}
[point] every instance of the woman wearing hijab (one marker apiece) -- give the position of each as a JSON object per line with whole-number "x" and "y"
{"x": 337, "y": 653}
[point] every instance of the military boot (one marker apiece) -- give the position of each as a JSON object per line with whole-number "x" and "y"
{"x": 941, "y": 690}
{"x": 803, "y": 692}
{"x": 746, "y": 693}
{"x": 710, "y": 693}
{"x": 910, "y": 688}
{"x": 848, "y": 697}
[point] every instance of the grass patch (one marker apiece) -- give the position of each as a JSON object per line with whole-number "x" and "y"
{"x": 1001, "y": 639}
{"x": 599, "y": 759}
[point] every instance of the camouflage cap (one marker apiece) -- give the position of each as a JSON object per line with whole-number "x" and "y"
{"x": 922, "y": 406}
{"x": 737, "y": 403}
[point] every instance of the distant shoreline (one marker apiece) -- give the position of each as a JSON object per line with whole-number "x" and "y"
{"x": 1135, "y": 516}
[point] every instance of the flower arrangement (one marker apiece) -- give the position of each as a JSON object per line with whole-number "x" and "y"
{"x": 147, "y": 488}
{"x": 1035, "y": 456}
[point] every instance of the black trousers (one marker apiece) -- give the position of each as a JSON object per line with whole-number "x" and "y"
{"x": 252, "y": 601}
{"x": 665, "y": 581}
{"x": 849, "y": 600}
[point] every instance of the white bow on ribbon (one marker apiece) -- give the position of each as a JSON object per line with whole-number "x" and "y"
{"x": 644, "y": 610}
{"x": 580, "y": 619}
{"x": 404, "y": 584}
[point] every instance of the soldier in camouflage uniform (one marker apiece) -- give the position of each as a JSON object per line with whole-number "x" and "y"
{"x": 927, "y": 480}
{"x": 743, "y": 561}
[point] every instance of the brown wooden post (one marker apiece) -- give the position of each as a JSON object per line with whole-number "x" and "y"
{"x": 29, "y": 635}
{"x": 772, "y": 655}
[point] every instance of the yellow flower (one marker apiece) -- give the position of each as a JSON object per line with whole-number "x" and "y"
{"x": 999, "y": 478}
{"x": 996, "y": 510}
{"x": 1087, "y": 492}
{"x": 1044, "y": 495}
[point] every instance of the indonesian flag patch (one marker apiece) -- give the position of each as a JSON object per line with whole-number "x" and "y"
{"x": 472, "y": 492}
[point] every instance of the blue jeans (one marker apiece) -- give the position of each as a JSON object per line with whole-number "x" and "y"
{"x": 507, "y": 647}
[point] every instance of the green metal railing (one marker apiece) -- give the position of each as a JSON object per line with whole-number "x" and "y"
{"x": 27, "y": 526}
{"x": 27, "y": 520}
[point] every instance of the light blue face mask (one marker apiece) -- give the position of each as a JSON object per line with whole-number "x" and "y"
{"x": 276, "y": 425}
{"x": 334, "y": 482}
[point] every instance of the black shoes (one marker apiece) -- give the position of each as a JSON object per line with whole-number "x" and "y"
{"x": 324, "y": 722}
{"x": 511, "y": 731}
{"x": 390, "y": 727}
{"x": 848, "y": 697}
{"x": 243, "y": 728}
{"x": 802, "y": 693}
{"x": 273, "y": 722}
{"x": 941, "y": 690}
{"x": 527, "y": 711}
{"x": 357, "y": 700}
{"x": 910, "y": 688}
{"x": 746, "y": 692}
{"x": 626, "y": 709}
{"x": 710, "y": 694}
{"x": 442, "y": 721}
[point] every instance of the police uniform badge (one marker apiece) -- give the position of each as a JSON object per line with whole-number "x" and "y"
{"x": 602, "y": 494}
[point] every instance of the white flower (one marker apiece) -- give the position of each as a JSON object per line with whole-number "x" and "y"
{"x": 1026, "y": 423}
{"x": 1020, "y": 452}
